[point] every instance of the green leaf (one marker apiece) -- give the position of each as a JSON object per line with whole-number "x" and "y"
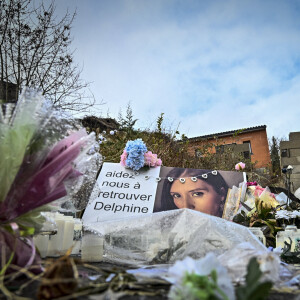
{"x": 253, "y": 272}
{"x": 253, "y": 288}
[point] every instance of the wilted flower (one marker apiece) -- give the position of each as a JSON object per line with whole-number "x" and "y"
{"x": 240, "y": 166}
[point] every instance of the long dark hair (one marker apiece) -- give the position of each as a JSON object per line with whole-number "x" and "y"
{"x": 216, "y": 181}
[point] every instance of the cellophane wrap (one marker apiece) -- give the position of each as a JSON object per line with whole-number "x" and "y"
{"x": 165, "y": 237}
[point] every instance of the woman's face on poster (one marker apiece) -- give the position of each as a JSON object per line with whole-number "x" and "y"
{"x": 198, "y": 195}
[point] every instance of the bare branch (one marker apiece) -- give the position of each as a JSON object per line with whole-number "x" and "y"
{"x": 35, "y": 52}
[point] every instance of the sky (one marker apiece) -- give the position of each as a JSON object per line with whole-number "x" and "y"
{"x": 209, "y": 66}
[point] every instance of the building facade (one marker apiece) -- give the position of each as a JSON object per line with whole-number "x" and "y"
{"x": 251, "y": 142}
{"x": 290, "y": 155}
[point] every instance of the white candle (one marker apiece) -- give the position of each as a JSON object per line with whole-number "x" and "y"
{"x": 92, "y": 247}
{"x": 41, "y": 242}
{"x": 55, "y": 244}
{"x": 77, "y": 239}
{"x": 68, "y": 234}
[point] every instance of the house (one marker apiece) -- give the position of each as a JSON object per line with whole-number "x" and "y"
{"x": 290, "y": 155}
{"x": 251, "y": 142}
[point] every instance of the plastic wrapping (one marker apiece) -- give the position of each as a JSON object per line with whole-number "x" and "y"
{"x": 165, "y": 237}
{"x": 234, "y": 197}
{"x": 236, "y": 260}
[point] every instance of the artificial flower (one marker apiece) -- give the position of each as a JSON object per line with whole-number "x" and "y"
{"x": 240, "y": 166}
{"x": 135, "y": 156}
{"x": 151, "y": 159}
{"x": 123, "y": 158}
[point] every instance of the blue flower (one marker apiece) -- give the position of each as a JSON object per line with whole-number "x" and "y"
{"x": 136, "y": 150}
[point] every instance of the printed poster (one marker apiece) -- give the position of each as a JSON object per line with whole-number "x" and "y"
{"x": 120, "y": 192}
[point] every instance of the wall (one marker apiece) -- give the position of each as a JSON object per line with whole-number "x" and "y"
{"x": 258, "y": 140}
{"x": 290, "y": 155}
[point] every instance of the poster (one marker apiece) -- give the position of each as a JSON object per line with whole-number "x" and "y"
{"x": 121, "y": 192}
{"x": 207, "y": 191}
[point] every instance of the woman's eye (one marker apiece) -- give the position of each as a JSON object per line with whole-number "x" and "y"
{"x": 197, "y": 194}
{"x": 176, "y": 196}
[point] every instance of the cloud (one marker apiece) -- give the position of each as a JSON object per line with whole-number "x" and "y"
{"x": 211, "y": 66}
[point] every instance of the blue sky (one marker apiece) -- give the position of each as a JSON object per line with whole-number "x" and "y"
{"x": 209, "y": 66}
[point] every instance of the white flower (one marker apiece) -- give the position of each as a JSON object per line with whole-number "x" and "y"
{"x": 112, "y": 132}
{"x": 277, "y": 250}
{"x": 104, "y": 132}
{"x": 290, "y": 167}
{"x": 284, "y": 214}
{"x": 202, "y": 267}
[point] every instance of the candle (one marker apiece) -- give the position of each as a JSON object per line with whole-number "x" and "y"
{"x": 77, "y": 237}
{"x": 55, "y": 244}
{"x": 68, "y": 234}
{"x": 92, "y": 247}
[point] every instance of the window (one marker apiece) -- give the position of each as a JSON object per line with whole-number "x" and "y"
{"x": 250, "y": 148}
{"x": 246, "y": 154}
{"x": 285, "y": 153}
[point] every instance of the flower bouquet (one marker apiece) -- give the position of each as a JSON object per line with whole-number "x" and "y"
{"x": 39, "y": 151}
{"x": 136, "y": 155}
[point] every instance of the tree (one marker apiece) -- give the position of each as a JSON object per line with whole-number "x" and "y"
{"x": 275, "y": 158}
{"x": 35, "y": 52}
{"x": 127, "y": 123}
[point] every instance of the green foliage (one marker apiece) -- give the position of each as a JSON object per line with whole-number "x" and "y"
{"x": 288, "y": 256}
{"x": 200, "y": 287}
{"x": 253, "y": 289}
{"x": 173, "y": 147}
{"x": 263, "y": 215}
{"x": 127, "y": 123}
{"x": 159, "y": 122}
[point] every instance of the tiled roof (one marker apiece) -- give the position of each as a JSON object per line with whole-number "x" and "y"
{"x": 228, "y": 133}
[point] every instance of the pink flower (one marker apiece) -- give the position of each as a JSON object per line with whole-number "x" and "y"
{"x": 151, "y": 159}
{"x": 123, "y": 158}
{"x": 240, "y": 166}
{"x": 251, "y": 183}
{"x": 259, "y": 190}
{"x": 158, "y": 162}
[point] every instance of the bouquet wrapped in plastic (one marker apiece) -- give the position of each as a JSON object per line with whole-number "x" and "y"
{"x": 40, "y": 151}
